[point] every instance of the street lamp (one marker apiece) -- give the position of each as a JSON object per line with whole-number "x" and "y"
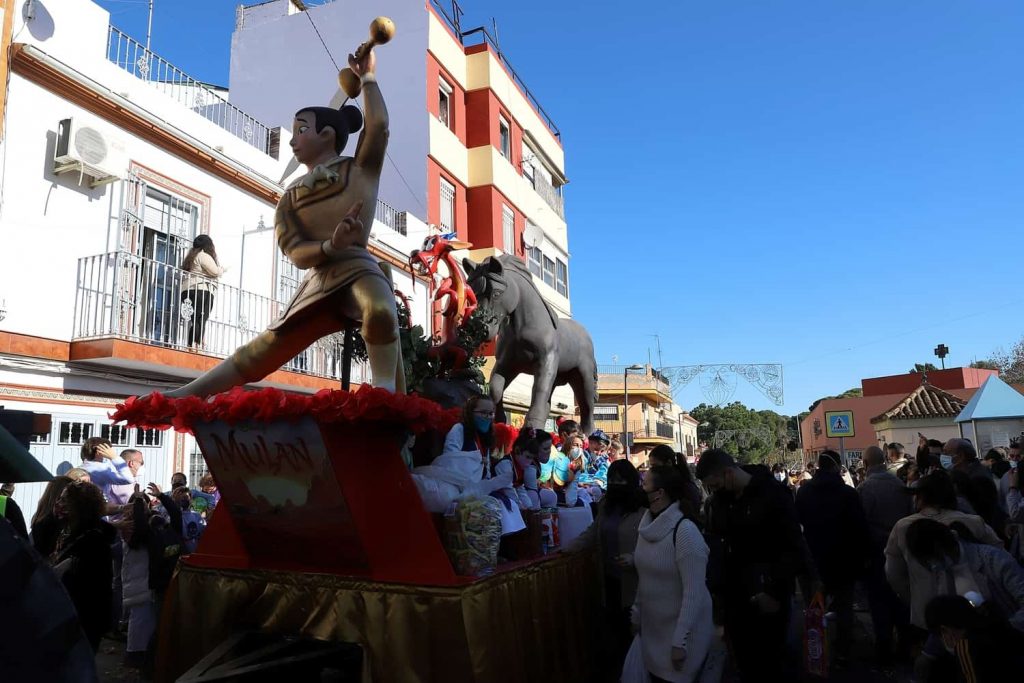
{"x": 625, "y": 401}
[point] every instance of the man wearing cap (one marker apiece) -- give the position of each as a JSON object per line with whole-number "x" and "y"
{"x": 757, "y": 553}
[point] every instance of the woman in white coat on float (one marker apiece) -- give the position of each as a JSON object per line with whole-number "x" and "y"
{"x": 673, "y": 606}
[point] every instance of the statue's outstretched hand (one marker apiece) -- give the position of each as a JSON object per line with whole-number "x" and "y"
{"x": 366, "y": 65}
{"x": 349, "y": 229}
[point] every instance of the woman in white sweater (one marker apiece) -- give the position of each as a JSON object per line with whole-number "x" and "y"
{"x": 200, "y": 282}
{"x": 673, "y": 605}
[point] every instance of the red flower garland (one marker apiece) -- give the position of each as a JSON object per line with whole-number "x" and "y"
{"x": 366, "y": 404}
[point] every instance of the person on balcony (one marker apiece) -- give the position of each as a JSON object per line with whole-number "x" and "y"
{"x": 202, "y": 269}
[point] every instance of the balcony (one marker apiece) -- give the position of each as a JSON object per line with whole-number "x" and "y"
{"x": 610, "y": 382}
{"x": 126, "y": 297}
{"x": 209, "y": 102}
{"x": 649, "y": 431}
{"x": 548, "y": 193}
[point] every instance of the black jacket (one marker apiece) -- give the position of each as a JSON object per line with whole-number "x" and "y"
{"x": 88, "y": 577}
{"x": 835, "y": 527}
{"x": 755, "y": 540}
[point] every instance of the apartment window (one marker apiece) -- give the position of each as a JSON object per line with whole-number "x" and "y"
{"x": 549, "y": 272}
{"x": 505, "y": 134}
{"x": 115, "y": 434}
{"x": 40, "y": 439}
{"x": 149, "y": 438}
{"x": 447, "y": 206}
{"x": 535, "y": 261}
{"x": 561, "y": 277}
{"x": 529, "y": 158}
{"x": 444, "y": 102}
{"x": 508, "y": 229}
{"x": 71, "y": 433}
{"x": 606, "y": 412}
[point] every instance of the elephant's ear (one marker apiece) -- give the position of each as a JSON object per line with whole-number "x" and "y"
{"x": 469, "y": 265}
{"x": 495, "y": 266}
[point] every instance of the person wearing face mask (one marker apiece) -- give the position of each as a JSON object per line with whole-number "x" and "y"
{"x": 935, "y": 500}
{"x": 614, "y": 533}
{"x": 564, "y": 469}
{"x": 672, "y": 610}
{"x": 758, "y": 552}
{"x": 1013, "y": 461}
{"x": 463, "y": 468}
{"x": 192, "y": 523}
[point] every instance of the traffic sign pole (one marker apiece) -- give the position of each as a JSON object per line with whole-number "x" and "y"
{"x": 842, "y": 451}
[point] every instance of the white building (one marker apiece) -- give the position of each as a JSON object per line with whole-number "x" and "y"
{"x": 112, "y": 162}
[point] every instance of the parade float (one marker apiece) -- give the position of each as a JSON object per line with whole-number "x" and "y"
{"x": 321, "y": 549}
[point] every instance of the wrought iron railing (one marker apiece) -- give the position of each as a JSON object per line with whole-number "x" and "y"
{"x": 125, "y": 296}
{"x": 452, "y": 14}
{"x": 638, "y": 428}
{"x": 391, "y": 217}
{"x": 134, "y": 58}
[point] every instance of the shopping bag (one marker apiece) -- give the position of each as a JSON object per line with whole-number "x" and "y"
{"x": 633, "y": 669}
{"x": 816, "y": 638}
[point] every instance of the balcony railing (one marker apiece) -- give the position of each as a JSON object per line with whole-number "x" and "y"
{"x": 124, "y": 296}
{"x": 549, "y": 194}
{"x": 610, "y": 379}
{"x": 134, "y": 58}
{"x": 639, "y": 428}
{"x": 391, "y": 217}
{"x": 452, "y": 14}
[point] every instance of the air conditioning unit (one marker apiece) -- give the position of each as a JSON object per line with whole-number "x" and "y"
{"x": 91, "y": 151}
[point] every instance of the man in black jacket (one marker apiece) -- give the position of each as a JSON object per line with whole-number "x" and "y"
{"x": 837, "y": 533}
{"x": 757, "y": 552}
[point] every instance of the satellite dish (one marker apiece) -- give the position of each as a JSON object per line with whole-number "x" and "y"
{"x": 533, "y": 236}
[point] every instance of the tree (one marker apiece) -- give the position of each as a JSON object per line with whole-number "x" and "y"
{"x": 985, "y": 365}
{"x": 755, "y": 433}
{"x": 1010, "y": 363}
{"x": 920, "y": 368}
{"x": 856, "y": 392}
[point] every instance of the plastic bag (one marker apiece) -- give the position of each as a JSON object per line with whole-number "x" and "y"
{"x": 816, "y": 638}
{"x": 472, "y": 535}
{"x": 633, "y": 669}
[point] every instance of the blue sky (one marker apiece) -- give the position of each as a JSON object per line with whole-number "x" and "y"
{"x": 836, "y": 186}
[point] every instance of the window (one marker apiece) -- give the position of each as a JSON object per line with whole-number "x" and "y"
{"x": 505, "y": 135}
{"x": 536, "y": 262}
{"x": 39, "y": 438}
{"x": 115, "y": 434}
{"x": 74, "y": 432}
{"x": 508, "y": 229}
{"x": 529, "y": 158}
{"x": 606, "y": 412}
{"x": 149, "y": 438}
{"x": 549, "y": 272}
{"x": 447, "y": 206}
{"x": 561, "y": 277}
{"x": 444, "y": 102}
{"x": 197, "y": 468}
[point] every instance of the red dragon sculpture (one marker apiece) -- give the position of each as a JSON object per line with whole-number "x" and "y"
{"x": 453, "y": 298}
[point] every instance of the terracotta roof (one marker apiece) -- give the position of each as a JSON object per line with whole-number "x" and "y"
{"x": 924, "y": 402}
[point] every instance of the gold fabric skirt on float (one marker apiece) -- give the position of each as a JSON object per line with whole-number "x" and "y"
{"x": 533, "y": 622}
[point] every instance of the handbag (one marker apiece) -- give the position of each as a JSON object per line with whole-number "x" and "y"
{"x": 633, "y": 669}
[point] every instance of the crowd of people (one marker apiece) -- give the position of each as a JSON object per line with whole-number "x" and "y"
{"x": 113, "y": 540}
{"x": 722, "y": 558}
{"x": 705, "y": 567}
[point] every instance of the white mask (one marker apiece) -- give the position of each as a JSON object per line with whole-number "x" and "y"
{"x": 779, "y": 476}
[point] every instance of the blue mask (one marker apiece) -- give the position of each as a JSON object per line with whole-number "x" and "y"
{"x": 482, "y": 424}
{"x": 947, "y": 461}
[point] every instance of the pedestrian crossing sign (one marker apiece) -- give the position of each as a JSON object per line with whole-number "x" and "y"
{"x": 839, "y": 423}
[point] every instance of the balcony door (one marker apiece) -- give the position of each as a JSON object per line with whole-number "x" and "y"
{"x": 168, "y": 227}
